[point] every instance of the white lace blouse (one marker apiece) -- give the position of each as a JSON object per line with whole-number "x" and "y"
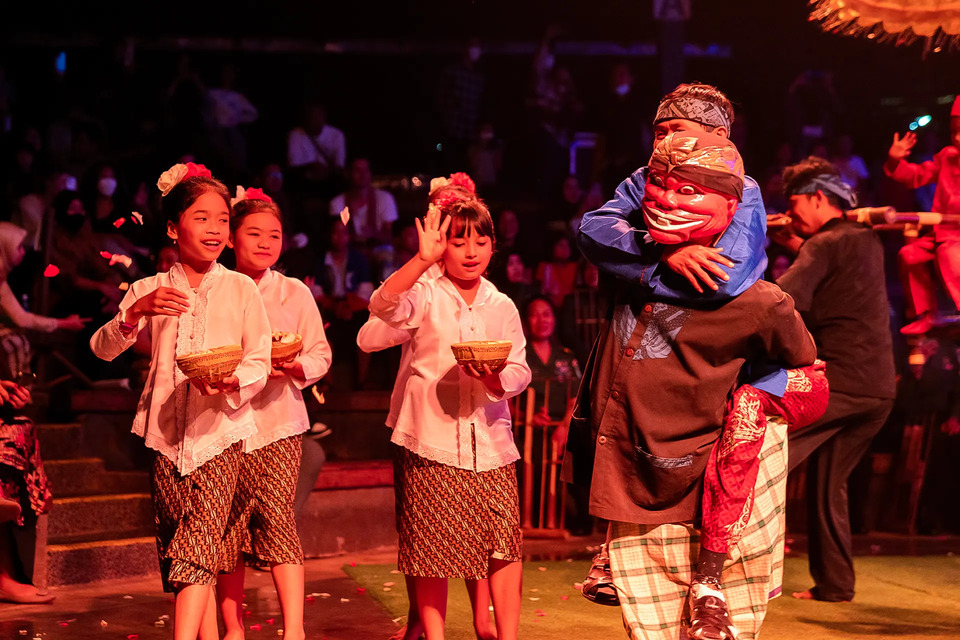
{"x": 172, "y": 416}
{"x": 445, "y": 415}
{"x": 279, "y": 409}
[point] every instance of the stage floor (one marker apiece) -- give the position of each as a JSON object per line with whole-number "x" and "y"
{"x": 911, "y": 594}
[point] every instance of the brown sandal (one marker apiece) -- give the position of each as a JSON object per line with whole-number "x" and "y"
{"x": 598, "y": 586}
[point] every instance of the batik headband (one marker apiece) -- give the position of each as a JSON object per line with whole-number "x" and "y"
{"x": 828, "y": 183}
{"x": 694, "y": 109}
{"x": 703, "y": 158}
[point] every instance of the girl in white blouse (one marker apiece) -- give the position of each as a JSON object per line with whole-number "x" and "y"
{"x": 195, "y": 428}
{"x": 458, "y": 510}
{"x": 262, "y": 524}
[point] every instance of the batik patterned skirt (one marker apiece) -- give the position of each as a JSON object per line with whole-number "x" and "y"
{"x": 452, "y": 522}
{"x": 191, "y": 516}
{"x": 262, "y": 525}
{"x": 22, "y": 479}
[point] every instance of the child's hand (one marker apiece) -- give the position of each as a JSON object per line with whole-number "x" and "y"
{"x": 433, "y": 235}
{"x": 162, "y": 301}
{"x": 694, "y": 261}
{"x": 227, "y": 385}
{"x": 486, "y": 375}
{"x": 902, "y": 147}
{"x": 294, "y": 369}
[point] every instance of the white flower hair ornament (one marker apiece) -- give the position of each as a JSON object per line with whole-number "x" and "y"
{"x": 178, "y": 173}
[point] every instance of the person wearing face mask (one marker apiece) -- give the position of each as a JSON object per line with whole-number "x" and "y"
{"x": 102, "y": 198}
{"x": 86, "y": 283}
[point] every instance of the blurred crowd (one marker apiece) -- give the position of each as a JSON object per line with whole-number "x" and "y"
{"x": 78, "y": 189}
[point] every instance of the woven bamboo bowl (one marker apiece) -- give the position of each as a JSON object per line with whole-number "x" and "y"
{"x": 492, "y": 353}
{"x": 283, "y": 348}
{"x": 211, "y": 365}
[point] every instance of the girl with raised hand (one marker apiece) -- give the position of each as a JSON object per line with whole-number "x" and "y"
{"x": 456, "y": 483}
{"x": 195, "y": 428}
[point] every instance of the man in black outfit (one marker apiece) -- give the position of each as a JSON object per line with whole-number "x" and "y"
{"x": 838, "y": 285}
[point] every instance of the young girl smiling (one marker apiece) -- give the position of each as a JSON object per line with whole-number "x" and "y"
{"x": 262, "y": 525}
{"x": 195, "y": 428}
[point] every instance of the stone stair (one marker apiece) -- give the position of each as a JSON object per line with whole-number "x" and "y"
{"x": 101, "y": 525}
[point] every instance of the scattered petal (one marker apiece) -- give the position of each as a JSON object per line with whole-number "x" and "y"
{"x": 361, "y": 590}
{"x": 123, "y": 287}
{"x": 319, "y": 397}
{"x": 322, "y": 595}
{"x": 534, "y": 599}
{"x": 255, "y": 627}
{"x": 270, "y": 620}
{"x": 564, "y": 597}
{"x": 345, "y": 215}
{"x": 247, "y": 613}
{"x": 133, "y": 636}
{"x": 578, "y": 586}
{"x": 165, "y": 617}
{"x": 136, "y": 217}
{"x": 119, "y": 222}
{"x": 541, "y": 568}
{"x": 51, "y": 271}
{"x": 309, "y": 599}
{"x": 63, "y": 623}
{"x": 342, "y": 600}
{"x": 353, "y": 564}
{"x": 395, "y": 572}
{"x": 387, "y": 589}
{"x": 534, "y": 590}
{"x": 159, "y": 624}
{"x": 106, "y": 255}
{"x": 540, "y": 613}
{"x": 126, "y": 597}
{"x": 103, "y": 623}
{"x": 389, "y": 584}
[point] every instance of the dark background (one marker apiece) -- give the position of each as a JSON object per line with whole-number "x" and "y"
{"x": 380, "y": 99}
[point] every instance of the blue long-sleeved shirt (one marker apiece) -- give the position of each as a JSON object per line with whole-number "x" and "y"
{"x": 615, "y": 238}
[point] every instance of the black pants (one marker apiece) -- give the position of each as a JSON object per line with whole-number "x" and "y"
{"x": 834, "y": 444}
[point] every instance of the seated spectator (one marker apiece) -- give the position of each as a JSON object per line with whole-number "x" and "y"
{"x": 581, "y": 313}
{"x": 405, "y": 246}
{"x": 558, "y": 274}
{"x": 87, "y": 285}
{"x": 516, "y": 283}
{"x": 271, "y": 181}
{"x": 372, "y": 211}
{"x": 556, "y": 377}
{"x": 346, "y": 286}
{"x": 104, "y": 198}
{"x": 485, "y": 156}
{"x": 24, "y": 496}
{"x": 853, "y": 170}
{"x": 16, "y": 355}
{"x": 567, "y": 206}
{"x": 316, "y": 152}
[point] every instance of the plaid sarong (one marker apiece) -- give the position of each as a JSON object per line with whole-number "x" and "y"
{"x": 653, "y": 565}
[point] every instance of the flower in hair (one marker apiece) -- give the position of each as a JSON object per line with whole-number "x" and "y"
{"x": 249, "y": 194}
{"x": 178, "y": 173}
{"x": 458, "y": 179}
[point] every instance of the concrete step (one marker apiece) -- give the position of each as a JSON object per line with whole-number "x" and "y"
{"x": 60, "y": 441}
{"x": 98, "y": 561}
{"x": 96, "y": 517}
{"x": 87, "y": 476}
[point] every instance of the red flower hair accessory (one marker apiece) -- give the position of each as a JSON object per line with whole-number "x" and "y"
{"x": 256, "y": 194}
{"x": 180, "y": 172}
{"x": 458, "y": 179}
